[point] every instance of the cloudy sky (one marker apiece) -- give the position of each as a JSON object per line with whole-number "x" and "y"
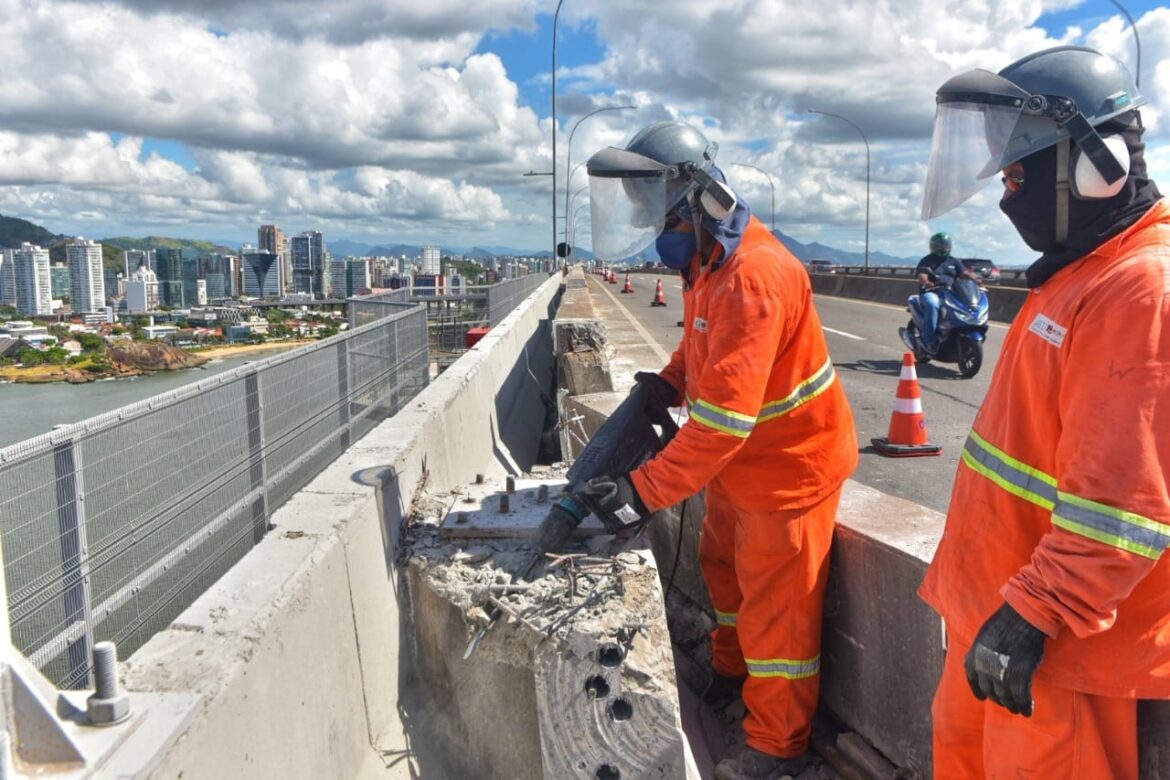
{"x": 403, "y": 121}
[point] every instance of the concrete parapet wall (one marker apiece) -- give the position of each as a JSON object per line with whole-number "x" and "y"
{"x": 296, "y": 650}
{"x": 1003, "y": 302}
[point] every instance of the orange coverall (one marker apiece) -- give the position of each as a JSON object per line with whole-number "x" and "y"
{"x": 1061, "y": 507}
{"x": 771, "y": 437}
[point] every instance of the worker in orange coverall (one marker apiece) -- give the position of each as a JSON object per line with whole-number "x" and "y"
{"x": 770, "y": 434}
{"x": 1051, "y": 573}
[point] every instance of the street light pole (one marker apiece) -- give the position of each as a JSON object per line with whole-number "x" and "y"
{"x": 866, "y": 141}
{"x": 556, "y": 18}
{"x": 770, "y": 184}
{"x": 569, "y": 153}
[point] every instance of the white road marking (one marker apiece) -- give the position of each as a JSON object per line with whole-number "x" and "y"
{"x": 900, "y": 307}
{"x": 662, "y": 354}
{"x": 843, "y": 333}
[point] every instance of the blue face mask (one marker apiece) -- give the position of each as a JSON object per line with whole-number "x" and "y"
{"x": 676, "y": 249}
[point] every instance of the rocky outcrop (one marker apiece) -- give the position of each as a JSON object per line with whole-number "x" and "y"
{"x": 127, "y": 357}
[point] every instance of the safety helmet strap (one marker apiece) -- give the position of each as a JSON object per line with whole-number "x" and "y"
{"x": 1062, "y": 191}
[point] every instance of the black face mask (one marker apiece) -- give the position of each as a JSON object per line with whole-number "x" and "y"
{"x": 1032, "y": 209}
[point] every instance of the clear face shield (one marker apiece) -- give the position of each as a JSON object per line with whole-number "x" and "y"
{"x": 627, "y": 201}
{"x": 977, "y": 114}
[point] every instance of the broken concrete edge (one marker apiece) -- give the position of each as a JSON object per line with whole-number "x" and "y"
{"x": 299, "y": 641}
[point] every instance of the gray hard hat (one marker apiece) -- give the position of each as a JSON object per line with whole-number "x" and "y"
{"x": 987, "y": 121}
{"x": 675, "y": 143}
{"x": 1093, "y": 83}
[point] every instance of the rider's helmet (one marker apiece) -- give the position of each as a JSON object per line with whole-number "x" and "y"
{"x": 940, "y": 244}
{"x": 986, "y": 121}
{"x": 632, "y": 190}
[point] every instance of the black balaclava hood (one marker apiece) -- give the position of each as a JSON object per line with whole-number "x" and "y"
{"x": 1090, "y": 222}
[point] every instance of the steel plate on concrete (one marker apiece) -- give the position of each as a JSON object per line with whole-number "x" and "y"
{"x": 476, "y": 514}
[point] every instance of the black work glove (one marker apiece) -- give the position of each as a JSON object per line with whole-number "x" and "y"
{"x": 1003, "y": 659}
{"x": 662, "y": 391}
{"x": 615, "y": 502}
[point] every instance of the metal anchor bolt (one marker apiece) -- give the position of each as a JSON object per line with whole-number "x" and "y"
{"x": 107, "y": 705}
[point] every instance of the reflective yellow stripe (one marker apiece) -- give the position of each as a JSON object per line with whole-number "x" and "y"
{"x": 725, "y": 618}
{"x": 804, "y": 392}
{"x": 788, "y": 668}
{"x": 1090, "y": 519}
{"x": 1115, "y": 527}
{"x": 1012, "y": 475}
{"x": 722, "y": 419}
{"x": 741, "y": 425}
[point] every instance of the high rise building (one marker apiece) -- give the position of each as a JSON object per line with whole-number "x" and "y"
{"x": 357, "y": 276}
{"x": 169, "y": 268}
{"x": 191, "y": 275}
{"x": 87, "y": 284}
{"x": 308, "y": 263}
{"x": 218, "y": 270}
{"x": 431, "y": 261}
{"x": 142, "y": 291}
{"x": 271, "y": 238}
{"x": 339, "y": 276}
{"x": 262, "y": 277}
{"x": 7, "y": 278}
{"x": 58, "y": 280}
{"x": 133, "y": 258}
{"x": 33, "y": 290}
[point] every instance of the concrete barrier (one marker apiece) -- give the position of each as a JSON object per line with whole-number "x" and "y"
{"x": 303, "y": 654}
{"x": 1003, "y": 302}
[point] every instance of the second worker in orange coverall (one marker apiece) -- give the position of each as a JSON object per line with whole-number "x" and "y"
{"x": 1052, "y": 574}
{"x": 770, "y": 434}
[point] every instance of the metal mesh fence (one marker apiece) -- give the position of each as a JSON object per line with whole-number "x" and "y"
{"x": 449, "y": 317}
{"x": 114, "y": 525}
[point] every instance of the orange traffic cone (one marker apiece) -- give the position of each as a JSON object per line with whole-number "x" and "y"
{"x": 907, "y": 436}
{"x": 613, "y": 277}
{"x": 659, "y": 298}
{"x": 629, "y": 286}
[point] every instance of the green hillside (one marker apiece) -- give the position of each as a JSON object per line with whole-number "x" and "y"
{"x": 196, "y": 248}
{"x": 14, "y": 231}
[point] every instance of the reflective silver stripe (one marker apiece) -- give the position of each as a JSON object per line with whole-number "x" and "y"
{"x": 721, "y": 419}
{"x": 1111, "y": 526}
{"x": 1090, "y": 519}
{"x": 784, "y": 667}
{"x": 1012, "y": 475}
{"x": 725, "y": 618}
{"x": 804, "y": 392}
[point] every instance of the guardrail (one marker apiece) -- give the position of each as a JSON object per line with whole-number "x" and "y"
{"x": 113, "y": 525}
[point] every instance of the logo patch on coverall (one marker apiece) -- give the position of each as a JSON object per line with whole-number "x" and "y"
{"x": 700, "y": 325}
{"x": 1048, "y": 330}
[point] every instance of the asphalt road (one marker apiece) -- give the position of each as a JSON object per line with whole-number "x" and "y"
{"x": 863, "y": 340}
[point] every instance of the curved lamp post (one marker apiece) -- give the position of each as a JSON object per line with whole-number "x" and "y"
{"x": 770, "y": 184}
{"x": 866, "y": 140}
{"x": 556, "y": 18}
{"x": 576, "y": 212}
{"x": 569, "y": 152}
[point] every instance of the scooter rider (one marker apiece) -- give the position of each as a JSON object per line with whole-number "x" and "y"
{"x": 937, "y": 269}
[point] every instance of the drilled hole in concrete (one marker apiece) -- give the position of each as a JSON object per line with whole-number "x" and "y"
{"x": 607, "y": 772}
{"x": 611, "y": 656}
{"x": 596, "y": 687}
{"x": 621, "y": 710}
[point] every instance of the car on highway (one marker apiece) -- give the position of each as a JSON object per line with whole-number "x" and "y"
{"x": 988, "y": 271}
{"x": 822, "y": 267}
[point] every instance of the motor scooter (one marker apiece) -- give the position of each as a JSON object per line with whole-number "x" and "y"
{"x": 962, "y": 326}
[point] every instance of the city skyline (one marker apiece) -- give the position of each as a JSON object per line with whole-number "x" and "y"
{"x": 416, "y": 125}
